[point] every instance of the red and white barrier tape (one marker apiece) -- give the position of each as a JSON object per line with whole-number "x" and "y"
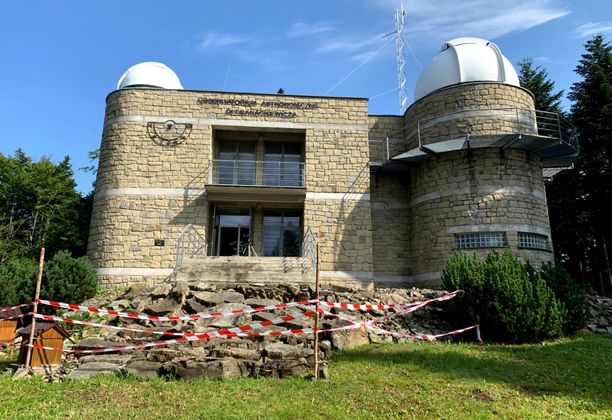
{"x": 12, "y": 308}
{"x": 370, "y": 307}
{"x": 240, "y": 329}
{"x": 16, "y": 316}
{"x": 425, "y": 337}
{"x": 130, "y": 315}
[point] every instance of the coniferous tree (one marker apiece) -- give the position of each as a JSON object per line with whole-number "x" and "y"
{"x": 591, "y": 113}
{"x": 535, "y": 79}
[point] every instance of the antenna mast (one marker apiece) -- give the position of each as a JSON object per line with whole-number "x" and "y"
{"x": 401, "y": 63}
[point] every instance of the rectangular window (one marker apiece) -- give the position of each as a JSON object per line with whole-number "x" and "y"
{"x": 480, "y": 240}
{"x": 282, "y": 233}
{"x": 533, "y": 240}
{"x": 236, "y": 163}
{"x": 283, "y": 164}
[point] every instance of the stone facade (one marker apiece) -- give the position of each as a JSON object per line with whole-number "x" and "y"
{"x": 373, "y": 226}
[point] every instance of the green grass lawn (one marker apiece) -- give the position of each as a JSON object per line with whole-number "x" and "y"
{"x": 571, "y": 377}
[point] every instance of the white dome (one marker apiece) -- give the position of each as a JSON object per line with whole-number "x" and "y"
{"x": 465, "y": 60}
{"x": 150, "y": 74}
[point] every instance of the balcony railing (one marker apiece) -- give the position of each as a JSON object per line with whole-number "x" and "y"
{"x": 257, "y": 173}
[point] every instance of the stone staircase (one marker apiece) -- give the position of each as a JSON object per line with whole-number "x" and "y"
{"x": 229, "y": 271}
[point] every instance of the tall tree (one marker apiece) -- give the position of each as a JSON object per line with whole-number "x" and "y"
{"x": 591, "y": 113}
{"x": 39, "y": 205}
{"x": 536, "y": 80}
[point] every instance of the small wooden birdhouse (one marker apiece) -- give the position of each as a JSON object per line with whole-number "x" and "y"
{"x": 47, "y": 334}
{"x": 8, "y": 327}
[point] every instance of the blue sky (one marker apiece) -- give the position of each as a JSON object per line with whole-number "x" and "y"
{"x": 62, "y": 58}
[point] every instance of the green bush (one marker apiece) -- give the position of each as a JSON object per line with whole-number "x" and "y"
{"x": 69, "y": 279}
{"x": 17, "y": 281}
{"x": 510, "y": 303}
{"x": 570, "y": 293}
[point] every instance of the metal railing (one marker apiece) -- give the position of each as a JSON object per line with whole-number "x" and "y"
{"x": 267, "y": 173}
{"x": 309, "y": 248}
{"x": 489, "y": 121}
{"x": 189, "y": 243}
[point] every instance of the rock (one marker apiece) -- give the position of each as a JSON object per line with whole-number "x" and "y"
{"x": 163, "y": 307}
{"x": 225, "y": 369}
{"x": 192, "y": 306}
{"x": 179, "y": 293}
{"x": 202, "y": 297}
{"x": 87, "y": 370}
{"x": 236, "y": 353}
{"x": 202, "y": 287}
{"x": 284, "y": 351}
{"x": 218, "y": 369}
{"x": 142, "y": 305}
{"x": 226, "y": 321}
{"x": 135, "y": 290}
{"x": 261, "y": 302}
{"x": 117, "y": 359}
{"x": 94, "y": 343}
{"x": 228, "y": 296}
{"x": 326, "y": 347}
{"x": 348, "y": 339}
{"x": 161, "y": 291}
{"x": 285, "y": 368}
{"x": 143, "y": 369}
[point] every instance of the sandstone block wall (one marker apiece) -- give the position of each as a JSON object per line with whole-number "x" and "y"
{"x": 147, "y": 191}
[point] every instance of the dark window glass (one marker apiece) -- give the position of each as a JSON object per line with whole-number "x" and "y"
{"x": 282, "y": 233}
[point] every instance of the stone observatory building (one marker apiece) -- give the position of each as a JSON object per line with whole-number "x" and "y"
{"x": 239, "y": 187}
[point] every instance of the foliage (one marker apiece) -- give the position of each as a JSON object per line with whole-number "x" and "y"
{"x": 65, "y": 279}
{"x": 17, "y": 281}
{"x": 69, "y": 279}
{"x": 510, "y": 303}
{"x": 536, "y": 80}
{"x": 570, "y": 293}
{"x": 564, "y": 378}
{"x": 580, "y": 200}
{"x": 39, "y": 205}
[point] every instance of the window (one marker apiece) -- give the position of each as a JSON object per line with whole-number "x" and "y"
{"x": 533, "y": 241}
{"x": 480, "y": 240}
{"x": 283, "y": 164}
{"x": 236, "y": 163}
{"x": 282, "y": 233}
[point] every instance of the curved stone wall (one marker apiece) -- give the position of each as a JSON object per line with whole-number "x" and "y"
{"x": 476, "y": 108}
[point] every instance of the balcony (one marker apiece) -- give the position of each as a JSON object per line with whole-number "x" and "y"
{"x": 256, "y": 180}
{"x": 546, "y": 134}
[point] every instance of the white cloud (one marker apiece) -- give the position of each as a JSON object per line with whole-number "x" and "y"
{"x": 350, "y": 44}
{"x": 309, "y": 29}
{"x": 212, "y": 40}
{"x": 592, "y": 28}
{"x": 445, "y": 19}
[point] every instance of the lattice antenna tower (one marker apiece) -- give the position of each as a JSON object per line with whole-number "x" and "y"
{"x": 401, "y": 63}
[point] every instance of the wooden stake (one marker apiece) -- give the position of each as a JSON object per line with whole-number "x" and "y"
{"x": 41, "y": 265}
{"x": 316, "y": 337}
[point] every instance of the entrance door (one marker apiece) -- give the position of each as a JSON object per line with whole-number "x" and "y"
{"x": 232, "y": 233}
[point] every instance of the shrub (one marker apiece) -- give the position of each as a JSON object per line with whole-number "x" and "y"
{"x": 69, "y": 279}
{"x": 508, "y": 302}
{"x": 570, "y": 293}
{"x": 17, "y": 281}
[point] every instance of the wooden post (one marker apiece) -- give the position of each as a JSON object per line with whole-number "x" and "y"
{"x": 41, "y": 265}
{"x": 318, "y": 305}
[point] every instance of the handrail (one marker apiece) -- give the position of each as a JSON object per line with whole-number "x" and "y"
{"x": 309, "y": 248}
{"x": 266, "y": 173}
{"x": 522, "y": 120}
{"x": 189, "y": 243}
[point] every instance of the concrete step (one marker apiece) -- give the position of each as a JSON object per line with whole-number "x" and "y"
{"x": 236, "y": 270}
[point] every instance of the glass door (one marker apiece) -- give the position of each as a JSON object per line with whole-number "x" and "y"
{"x": 232, "y": 232}
{"x": 236, "y": 163}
